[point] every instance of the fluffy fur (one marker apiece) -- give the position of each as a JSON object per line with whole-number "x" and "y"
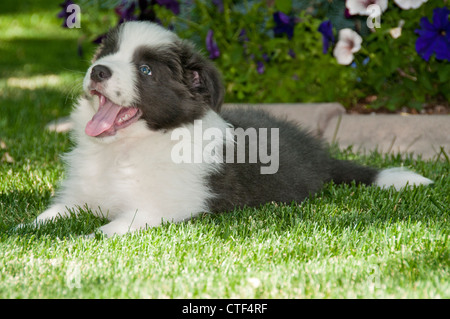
{"x": 143, "y": 84}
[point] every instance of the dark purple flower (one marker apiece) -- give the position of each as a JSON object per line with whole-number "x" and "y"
{"x": 434, "y": 37}
{"x": 327, "y": 35}
{"x": 283, "y": 24}
{"x": 218, "y": 4}
{"x": 147, "y": 12}
{"x": 243, "y": 36}
{"x": 172, "y": 5}
{"x": 260, "y": 67}
{"x": 80, "y": 50}
{"x": 292, "y": 53}
{"x": 99, "y": 39}
{"x": 347, "y": 14}
{"x": 211, "y": 45}
{"x": 64, "y": 14}
{"x": 126, "y": 11}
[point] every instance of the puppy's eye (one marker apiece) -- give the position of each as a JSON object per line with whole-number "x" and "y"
{"x": 145, "y": 69}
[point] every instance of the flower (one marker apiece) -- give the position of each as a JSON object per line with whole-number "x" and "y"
{"x": 243, "y": 36}
{"x": 434, "y": 37}
{"x": 125, "y": 11}
{"x": 360, "y": 7}
{"x": 211, "y": 45}
{"x": 397, "y": 32}
{"x": 172, "y": 5}
{"x": 64, "y": 14}
{"x": 327, "y": 34}
{"x": 283, "y": 24}
{"x": 218, "y": 4}
{"x": 349, "y": 43}
{"x": 292, "y": 53}
{"x": 260, "y": 67}
{"x": 409, "y": 4}
{"x": 347, "y": 14}
{"x": 99, "y": 39}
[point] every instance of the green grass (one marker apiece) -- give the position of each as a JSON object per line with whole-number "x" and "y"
{"x": 347, "y": 242}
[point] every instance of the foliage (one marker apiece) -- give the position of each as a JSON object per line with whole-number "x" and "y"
{"x": 271, "y": 51}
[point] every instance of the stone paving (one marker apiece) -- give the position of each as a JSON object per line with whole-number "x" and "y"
{"x": 424, "y": 135}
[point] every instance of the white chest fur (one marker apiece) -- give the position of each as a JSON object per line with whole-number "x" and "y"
{"x": 134, "y": 174}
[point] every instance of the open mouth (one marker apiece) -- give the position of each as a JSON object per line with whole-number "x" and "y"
{"x": 110, "y": 117}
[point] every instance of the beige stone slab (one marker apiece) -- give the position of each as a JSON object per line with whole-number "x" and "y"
{"x": 313, "y": 117}
{"x": 416, "y": 134}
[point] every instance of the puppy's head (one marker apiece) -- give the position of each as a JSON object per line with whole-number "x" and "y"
{"x": 143, "y": 72}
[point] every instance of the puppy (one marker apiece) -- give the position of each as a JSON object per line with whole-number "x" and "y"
{"x": 152, "y": 145}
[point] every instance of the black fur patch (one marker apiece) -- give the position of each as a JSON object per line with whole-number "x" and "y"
{"x": 172, "y": 95}
{"x": 109, "y": 45}
{"x": 304, "y": 166}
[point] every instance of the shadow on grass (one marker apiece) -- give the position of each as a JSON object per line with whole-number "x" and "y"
{"x": 21, "y": 207}
{"x": 26, "y": 57}
{"x": 33, "y": 106}
{"x": 335, "y": 210}
{"x": 27, "y": 6}
{"x": 81, "y": 224}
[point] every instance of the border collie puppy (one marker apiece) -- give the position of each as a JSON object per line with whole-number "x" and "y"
{"x": 144, "y": 94}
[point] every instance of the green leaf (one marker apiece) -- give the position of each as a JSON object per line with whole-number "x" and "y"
{"x": 444, "y": 73}
{"x": 284, "y": 6}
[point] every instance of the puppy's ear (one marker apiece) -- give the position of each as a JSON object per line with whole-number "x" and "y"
{"x": 108, "y": 45}
{"x": 202, "y": 77}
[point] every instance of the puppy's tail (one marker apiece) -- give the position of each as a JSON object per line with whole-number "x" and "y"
{"x": 398, "y": 177}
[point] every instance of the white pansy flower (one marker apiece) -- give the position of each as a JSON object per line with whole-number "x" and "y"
{"x": 409, "y": 4}
{"x": 361, "y": 7}
{"x": 349, "y": 43}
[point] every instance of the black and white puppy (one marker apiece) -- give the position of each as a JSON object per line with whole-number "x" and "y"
{"x": 145, "y": 91}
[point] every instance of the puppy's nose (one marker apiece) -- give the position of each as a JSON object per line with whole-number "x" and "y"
{"x": 100, "y": 73}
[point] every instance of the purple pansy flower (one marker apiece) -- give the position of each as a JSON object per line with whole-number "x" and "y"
{"x": 172, "y": 5}
{"x": 283, "y": 24}
{"x": 126, "y": 11}
{"x": 327, "y": 35}
{"x": 292, "y": 53}
{"x": 99, "y": 39}
{"x": 243, "y": 36}
{"x": 260, "y": 67}
{"x": 434, "y": 37}
{"x": 218, "y": 4}
{"x": 211, "y": 45}
{"x": 64, "y": 14}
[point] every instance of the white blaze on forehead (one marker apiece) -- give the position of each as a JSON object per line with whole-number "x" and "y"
{"x": 135, "y": 34}
{"x": 138, "y": 33}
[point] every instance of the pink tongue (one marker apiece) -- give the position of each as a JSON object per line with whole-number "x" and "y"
{"x": 104, "y": 119}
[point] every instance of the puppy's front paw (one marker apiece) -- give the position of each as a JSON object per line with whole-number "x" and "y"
{"x": 116, "y": 227}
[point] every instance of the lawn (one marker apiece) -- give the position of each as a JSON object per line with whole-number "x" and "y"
{"x": 349, "y": 241}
